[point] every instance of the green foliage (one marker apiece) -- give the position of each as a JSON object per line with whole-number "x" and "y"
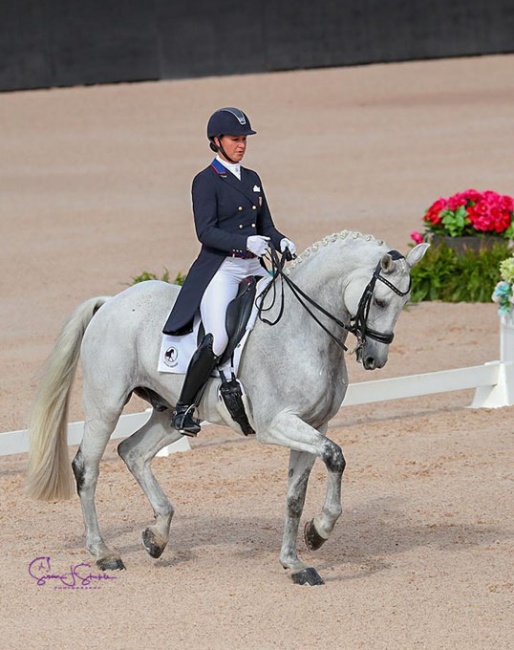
{"x": 180, "y": 279}
{"x": 509, "y": 233}
{"x": 455, "y": 222}
{"x": 145, "y": 275}
{"x": 448, "y": 276}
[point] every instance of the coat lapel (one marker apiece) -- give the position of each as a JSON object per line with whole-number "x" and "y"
{"x": 251, "y": 190}
{"x": 244, "y": 185}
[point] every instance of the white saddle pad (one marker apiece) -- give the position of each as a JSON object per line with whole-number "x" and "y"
{"x": 176, "y": 351}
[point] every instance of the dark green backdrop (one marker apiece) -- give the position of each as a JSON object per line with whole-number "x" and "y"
{"x": 68, "y": 42}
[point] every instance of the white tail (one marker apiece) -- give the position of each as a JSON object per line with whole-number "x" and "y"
{"x": 49, "y": 475}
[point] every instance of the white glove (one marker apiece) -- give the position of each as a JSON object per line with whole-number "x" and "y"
{"x": 287, "y": 245}
{"x": 257, "y": 244}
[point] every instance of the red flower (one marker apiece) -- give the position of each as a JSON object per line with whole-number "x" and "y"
{"x": 484, "y": 212}
{"x": 433, "y": 212}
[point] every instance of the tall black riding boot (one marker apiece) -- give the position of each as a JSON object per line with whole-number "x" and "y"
{"x": 199, "y": 370}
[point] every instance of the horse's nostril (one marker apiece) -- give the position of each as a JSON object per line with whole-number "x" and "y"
{"x": 369, "y": 363}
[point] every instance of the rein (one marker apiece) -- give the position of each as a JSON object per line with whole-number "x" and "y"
{"x": 358, "y": 325}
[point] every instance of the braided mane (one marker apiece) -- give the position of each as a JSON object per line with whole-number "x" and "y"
{"x": 329, "y": 239}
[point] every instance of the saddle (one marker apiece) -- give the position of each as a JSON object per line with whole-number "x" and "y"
{"x": 238, "y": 313}
{"x": 176, "y": 351}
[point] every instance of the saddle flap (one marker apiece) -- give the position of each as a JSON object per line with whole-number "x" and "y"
{"x": 238, "y": 313}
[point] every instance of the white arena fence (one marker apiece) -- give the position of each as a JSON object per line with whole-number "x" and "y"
{"x": 493, "y": 383}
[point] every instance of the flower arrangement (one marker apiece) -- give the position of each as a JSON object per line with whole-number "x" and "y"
{"x": 469, "y": 213}
{"x": 503, "y": 293}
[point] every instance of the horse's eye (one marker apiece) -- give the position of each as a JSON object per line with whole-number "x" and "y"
{"x": 380, "y": 303}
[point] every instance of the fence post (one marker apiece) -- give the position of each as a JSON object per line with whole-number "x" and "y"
{"x": 502, "y": 394}
{"x": 507, "y": 338}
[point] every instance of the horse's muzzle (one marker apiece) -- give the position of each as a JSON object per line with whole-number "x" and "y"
{"x": 372, "y": 356}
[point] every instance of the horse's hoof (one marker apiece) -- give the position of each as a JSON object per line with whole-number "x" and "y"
{"x": 313, "y": 539}
{"x": 152, "y": 547}
{"x": 110, "y": 564}
{"x": 307, "y": 576}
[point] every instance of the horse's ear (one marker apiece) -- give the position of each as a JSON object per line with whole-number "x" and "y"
{"x": 387, "y": 263}
{"x": 416, "y": 253}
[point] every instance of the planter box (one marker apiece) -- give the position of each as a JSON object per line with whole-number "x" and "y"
{"x": 463, "y": 244}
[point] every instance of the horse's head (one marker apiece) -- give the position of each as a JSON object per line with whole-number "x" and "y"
{"x": 376, "y": 304}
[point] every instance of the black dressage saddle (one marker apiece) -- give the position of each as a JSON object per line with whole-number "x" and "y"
{"x": 238, "y": 313}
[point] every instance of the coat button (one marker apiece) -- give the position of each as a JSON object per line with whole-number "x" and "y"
{"x": 240, "y": 225}
{"x": 253, "y": 225}
{"x": 240, "y": 208}
{"x": 254, "y": 207}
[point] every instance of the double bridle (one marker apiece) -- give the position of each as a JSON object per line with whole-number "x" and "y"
{"x": 358, "y": 325}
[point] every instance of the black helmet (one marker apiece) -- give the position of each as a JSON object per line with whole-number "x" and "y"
{"x": 228, "y": 121}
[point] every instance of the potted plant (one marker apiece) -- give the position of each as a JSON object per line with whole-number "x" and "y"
{"x": 468, "y": 220}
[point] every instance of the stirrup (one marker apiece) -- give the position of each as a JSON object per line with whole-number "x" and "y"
{"x": 184, "y": 422}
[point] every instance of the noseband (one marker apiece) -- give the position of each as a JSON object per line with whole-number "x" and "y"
{"x": 359, "y": 324}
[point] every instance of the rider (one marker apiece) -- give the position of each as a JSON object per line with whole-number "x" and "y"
{"x": 234, "y": 225}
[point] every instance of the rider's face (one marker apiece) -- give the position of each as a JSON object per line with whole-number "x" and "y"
{"x": 234, "y": 146}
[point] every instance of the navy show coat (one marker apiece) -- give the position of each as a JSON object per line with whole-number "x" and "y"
{"x": 226, "y": 212}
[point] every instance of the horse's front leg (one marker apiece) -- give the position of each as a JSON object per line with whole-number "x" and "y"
{"x": 318, "y": 530}
{"x": 300, "y": 465}
{"x": 290, "y": 431}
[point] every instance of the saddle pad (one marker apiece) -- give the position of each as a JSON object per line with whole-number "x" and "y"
{"x": 176, "y": 351}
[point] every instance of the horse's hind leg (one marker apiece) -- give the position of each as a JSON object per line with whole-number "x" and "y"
{"x": 86, "y": 463}
{"x": 137, "y": 452}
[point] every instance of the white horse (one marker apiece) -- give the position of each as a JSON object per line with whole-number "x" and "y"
{"x": 294, "y": 374}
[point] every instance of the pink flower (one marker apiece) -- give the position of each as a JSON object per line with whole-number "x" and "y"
{"x": 472, "y": 195}
{"x": 456, "y": 201}
{"x": 417, "y": 237}
{"x": 506, "y": 203}
{"x": 489, "y": 220}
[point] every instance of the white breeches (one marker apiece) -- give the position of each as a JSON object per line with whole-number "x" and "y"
{"x": 220, "y": 291}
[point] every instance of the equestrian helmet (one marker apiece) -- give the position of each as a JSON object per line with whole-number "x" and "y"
{"x": 228, "y": 121}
